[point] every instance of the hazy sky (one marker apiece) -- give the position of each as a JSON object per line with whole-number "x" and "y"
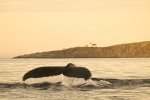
{"x": 28, "y": 26}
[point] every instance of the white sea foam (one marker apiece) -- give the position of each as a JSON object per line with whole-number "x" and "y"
{"x": 68, "y": 81}
{"x": 81, "y": 82}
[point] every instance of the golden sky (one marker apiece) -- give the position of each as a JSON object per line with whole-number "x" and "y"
{"x": 28, "y": 26}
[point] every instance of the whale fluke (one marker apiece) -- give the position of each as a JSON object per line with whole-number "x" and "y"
{"x": 70, "y": 70}
{"x": 43, "y": 72}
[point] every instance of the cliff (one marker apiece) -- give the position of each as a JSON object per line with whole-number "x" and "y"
{"x": 130, "y": 50}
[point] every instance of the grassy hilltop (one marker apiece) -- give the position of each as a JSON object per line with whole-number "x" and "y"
{"x": 129, "y": 50}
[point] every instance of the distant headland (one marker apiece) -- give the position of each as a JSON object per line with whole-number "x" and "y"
{"x": 129, "y": 50}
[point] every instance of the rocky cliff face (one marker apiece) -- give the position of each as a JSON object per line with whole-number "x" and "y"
{"x": 130, "y": 50}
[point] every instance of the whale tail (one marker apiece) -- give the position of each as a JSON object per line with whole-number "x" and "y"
{"x": 70, "y": 70}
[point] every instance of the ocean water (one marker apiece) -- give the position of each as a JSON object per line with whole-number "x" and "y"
{"x": 113, "y": 79}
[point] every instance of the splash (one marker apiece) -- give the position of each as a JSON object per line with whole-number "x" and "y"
{"x": 73, "y": 82}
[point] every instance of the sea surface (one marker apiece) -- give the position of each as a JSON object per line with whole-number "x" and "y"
{"x": 113, "y": 79}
